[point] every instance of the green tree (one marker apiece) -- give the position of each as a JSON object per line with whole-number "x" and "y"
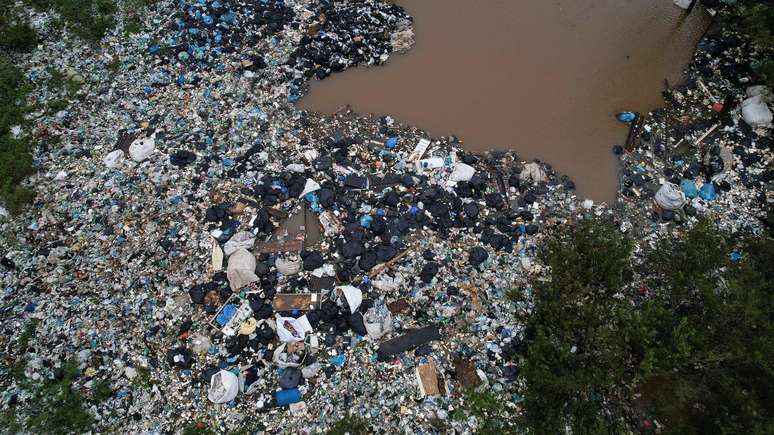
{"x": 711, "y": 340}
{"x": 576, "y": 365}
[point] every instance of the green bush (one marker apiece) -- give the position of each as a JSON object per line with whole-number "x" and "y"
{"x": 18, "y": 37}
{"x": 576, "y": 334}
{"x": 15, "y": 33}
{"x": 58, "y": 408}
{"x": 89, "y": 19}
{"x": 349, "y": 425}
{"x": 692, "y": 347}
{"x": 15, "y": 158}
{"x": 711, "y": 344}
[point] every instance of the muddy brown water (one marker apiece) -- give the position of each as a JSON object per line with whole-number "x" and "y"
{"x": 542, "y": 77}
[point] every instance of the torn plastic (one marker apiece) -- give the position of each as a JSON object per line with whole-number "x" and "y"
{"x": 224, "y": 387}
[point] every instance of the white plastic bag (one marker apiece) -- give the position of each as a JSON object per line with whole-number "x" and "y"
{"x": 113, "y": 159}
{"x": 290, "y": 329}
{"x": 142, "y": 148}
{"x": 242, "y": 239}
{"x": 353, "y": 295}
{"x": 310, "y": 186}
{"x": 386, "y": 283}
{"x": 755, "y": 112}
{"x": 670, "y": 197}
{"x": 462, "y": 172}
{"x": 241, "y": 269}
{"x": 378, "y": 321}
{"x": 289, "y": 265}
{"x": 532, "y": 172}
{"x": 224, "y": 387}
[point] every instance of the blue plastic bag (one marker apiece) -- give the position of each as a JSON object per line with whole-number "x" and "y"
{"x": 707, "y": 192}
{"x": 626, "y": 116}
{"x": 689, "y": 188}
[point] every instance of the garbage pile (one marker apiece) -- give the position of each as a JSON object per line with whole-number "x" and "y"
{"x": 217, "y": 255}
{"x": 707, "y": 152}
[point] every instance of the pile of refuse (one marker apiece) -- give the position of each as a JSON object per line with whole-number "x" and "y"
{"x": 217, "y": 255}
{"x": 707, "y": 152}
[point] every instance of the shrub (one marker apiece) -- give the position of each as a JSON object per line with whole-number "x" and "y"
{"x": 574, "y": 367}
{"x": 349, "y": 425}
{"x": 712, "y": 340}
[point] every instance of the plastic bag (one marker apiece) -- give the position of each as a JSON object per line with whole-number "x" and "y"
{"x": 353, "y": 295}
{"x": 670, "y": 197}
{"x": 224, "y": 387}
{"x": 142, "y": 148}
{"x": 289, "y": 265}
{"x": 113, "y": 159}
{"x": 242, "y": 239}
{"x": 241, "y": 269}
{"x": 755, "y": 112}
{"x": 378, "y": 321}
{"x": 532, "y": 173}
{"x": 290, "y": 329}
{"x": 462, "y": 172}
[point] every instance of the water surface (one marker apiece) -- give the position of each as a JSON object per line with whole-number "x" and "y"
{"x": 542, "y": 77}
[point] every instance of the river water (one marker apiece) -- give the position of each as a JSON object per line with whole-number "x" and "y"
{"x": 542, "y": 77}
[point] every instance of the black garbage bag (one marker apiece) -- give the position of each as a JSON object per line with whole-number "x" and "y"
{"x": 477, "y": 255}
{"x": 182, "y": 158}
{"x": 313, "y": 261}
{"x": 428, "y": 272}
{"x": 352, "y": 249}
{"x": 197, "y": 294}
{"x": 357, "y": 325}
{"x": 290, "y": 378}
{"x": 179, "y": 357}
{"x": 367, "y": 260}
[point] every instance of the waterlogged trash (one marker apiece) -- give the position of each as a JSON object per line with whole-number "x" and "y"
{"x": 224, "y": 387}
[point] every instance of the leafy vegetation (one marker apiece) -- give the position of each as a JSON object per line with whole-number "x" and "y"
{"x": 197, "y": 428}
{"x": 710, "y": 341}
{"x": 89, "y": 19}
{"x": 756, "y": 18}
{"x": 492, "y": 413}
{"x": 690, "y": 346}
{"x": 15, "y": 157}
{"x": 573, "y": 367}
{"x": 349, "y": 425}
{"x": 57, "y": 407}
